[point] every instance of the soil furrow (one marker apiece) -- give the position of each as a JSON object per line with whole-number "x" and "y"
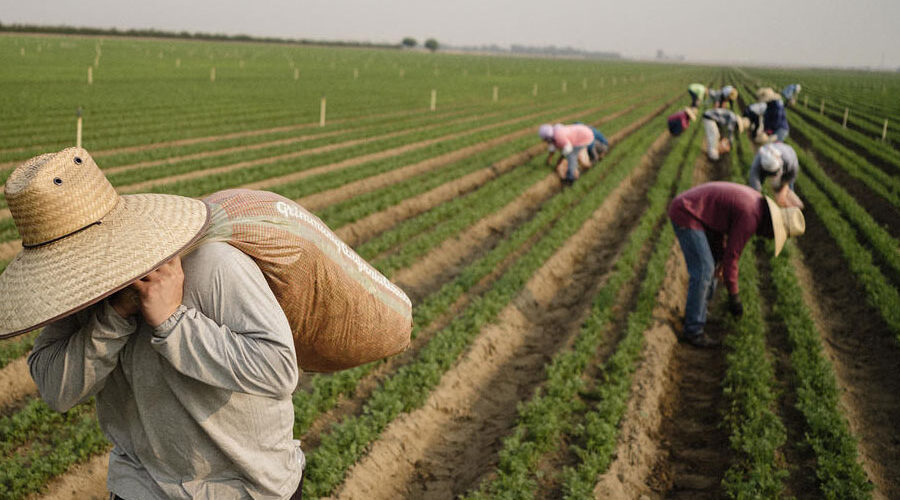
{"x": 798, "y": 460}
{"x": 884, "y": 213}
{"x": 671, "y": 444}
{"x": 428, "y": 453}
{"x": 15, "y": 382}
{"x": 864, "y": 354}
{"x": 198, "y": 140}
{"x": 140, "y": 186}
{"x": 365, "y": 228}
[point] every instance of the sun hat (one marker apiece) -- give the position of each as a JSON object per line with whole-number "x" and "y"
{"x": 545, "y": 131}
{"x": 766, "y": 94}
{"x": 742, "y": 123}
{"x": 770, "y": 158}
{"x": 733, "y": 94}
{"x": 787, "y": 222}
{"x": 81, "y": 240}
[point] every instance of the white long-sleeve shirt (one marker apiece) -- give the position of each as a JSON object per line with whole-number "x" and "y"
{"x": 198, "y": 407}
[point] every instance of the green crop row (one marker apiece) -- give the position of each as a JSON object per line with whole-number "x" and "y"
{"x": 879, "y": 292}
{"x": 837, "y": 467}
{"x": 326, "y": 389}
{"x": 394, "y": 135}
{"x": 15, "y": 348}
{"x": 365, "y": 204}
{"x": 544, "y": 418}
{"x": 408, "y": 387}
{"x": 595, "y": 438}
{"x": 55, "y": 442}
{"x": 756, "y": 432}
{"x": 874, "y": 148}
{"x": 882, "y": 242}
{"x": 877, "y": 180}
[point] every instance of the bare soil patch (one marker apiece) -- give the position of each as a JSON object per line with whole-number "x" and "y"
{"x": 429, "y": 453}
{"x": 864, "y": 354}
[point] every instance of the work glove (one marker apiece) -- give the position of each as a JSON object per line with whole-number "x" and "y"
{"x": 735, "y": 307}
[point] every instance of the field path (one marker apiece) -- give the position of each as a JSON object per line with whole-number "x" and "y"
{"x": 865, "y": 356}
{"x": 429, "y": 453}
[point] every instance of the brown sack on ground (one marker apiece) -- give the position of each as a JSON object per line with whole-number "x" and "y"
{"x": 342, "y": 311}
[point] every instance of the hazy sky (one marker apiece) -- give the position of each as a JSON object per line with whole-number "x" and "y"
{"x": 797, "y": 32}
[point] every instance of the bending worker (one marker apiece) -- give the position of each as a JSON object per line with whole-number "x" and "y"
{"x": 775, "y": 119}
{"x": 755, "y": 113}
{"x": 679, "y": 122}
{"x": 719, "y": 125}
{"x": 726, "y": 95}
{"x": 791, "y": 92}
{"x": 572, "y": 142}
{"x": 778, "y": 163}
{"x": 713, "y": 222}
{"x": 697, "y": 91}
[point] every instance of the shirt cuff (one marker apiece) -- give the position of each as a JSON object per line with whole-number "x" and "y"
{"x": 112, "y": 322}
{"x": 166, "y": 327}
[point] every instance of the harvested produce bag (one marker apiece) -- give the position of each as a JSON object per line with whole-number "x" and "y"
{"x": 342, "y": 311}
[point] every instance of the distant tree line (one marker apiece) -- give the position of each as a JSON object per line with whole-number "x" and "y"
{"x": 551, "y": 50}
{"x": 154, "y": 33}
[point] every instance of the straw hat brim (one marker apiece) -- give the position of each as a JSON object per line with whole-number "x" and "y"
{"x": 49, "y": 282}
{"x": 777, "y": 225}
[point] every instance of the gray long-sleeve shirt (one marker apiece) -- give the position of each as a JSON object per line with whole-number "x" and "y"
{"x": 786, "y": 176}
{"x": 198, "y": 407}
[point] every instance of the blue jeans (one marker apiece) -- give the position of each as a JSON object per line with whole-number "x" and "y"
{"x": 572, "y": 159}
{"x": 701, "y": 269}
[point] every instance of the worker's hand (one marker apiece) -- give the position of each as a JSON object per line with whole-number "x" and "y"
{"x": 735, "y": 307}
{"x": 161, "y": 292}
{"x": 126, "y": 302}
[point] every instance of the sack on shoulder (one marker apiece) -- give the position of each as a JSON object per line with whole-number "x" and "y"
{"x": 342, "y": 311}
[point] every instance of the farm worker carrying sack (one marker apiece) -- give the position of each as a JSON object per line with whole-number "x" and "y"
{"x": 775, "y": 120}
{"x": 778, "y": 163}
{"x": 191, "y": 362}
{"x": 719, "y": 125}
{"x": 713, "y": 223}
{"x": 678, "y": 122}
{"x": 697, "y": 92}
{"x": 572, "y": 141}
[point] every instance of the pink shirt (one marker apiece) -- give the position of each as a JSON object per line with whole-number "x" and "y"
{"x": 729, "y": 213}
{"x": 572, "y": 135}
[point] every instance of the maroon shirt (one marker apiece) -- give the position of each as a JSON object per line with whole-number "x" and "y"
{"x": 729, "y": 213}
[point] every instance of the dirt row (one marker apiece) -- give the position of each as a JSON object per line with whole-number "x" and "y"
{"x": 672, "y": 445}
{"x": 444, "y": 448}
{"x": 879, "y": 208}
{"x": 9, "y": 249}
{"x": 210, "y": 138}
{"x": 864, "y": 353}
{"x": 365, "y": 228}
{"x": 88, "y": 480}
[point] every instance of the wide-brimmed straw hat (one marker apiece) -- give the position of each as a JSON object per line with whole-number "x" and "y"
{"x": 81, "y": 240}
{"x": 787, "y": 222}
{"x": 766, "y": 94}
{"x": 770, "y": 159}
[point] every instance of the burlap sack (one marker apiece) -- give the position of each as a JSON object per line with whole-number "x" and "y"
{"x": 342, "y": 312}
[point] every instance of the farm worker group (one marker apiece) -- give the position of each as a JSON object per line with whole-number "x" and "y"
{"x": 579, "y": 145}
{"x": 713, "y": 222}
